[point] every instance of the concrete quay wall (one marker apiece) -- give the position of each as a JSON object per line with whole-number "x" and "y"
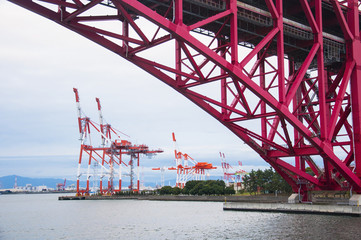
{"x": 264, "y": 199}
{"x": 294, "y": 208}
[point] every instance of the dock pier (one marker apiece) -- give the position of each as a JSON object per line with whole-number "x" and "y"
{"x": 300, "y": 208}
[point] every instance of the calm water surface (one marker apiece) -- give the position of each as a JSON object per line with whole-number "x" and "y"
{"x": 44, "y": 217}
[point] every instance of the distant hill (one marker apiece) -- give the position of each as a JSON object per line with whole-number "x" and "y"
{"x": 9, "y": 181}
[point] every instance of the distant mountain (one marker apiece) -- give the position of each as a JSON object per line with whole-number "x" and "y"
{"x": 9, "y": 181}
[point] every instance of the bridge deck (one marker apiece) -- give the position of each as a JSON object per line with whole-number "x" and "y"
{"x": 255, "y": 22}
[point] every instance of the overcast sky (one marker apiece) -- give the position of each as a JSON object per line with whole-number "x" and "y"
{"x": 41, "y": 62}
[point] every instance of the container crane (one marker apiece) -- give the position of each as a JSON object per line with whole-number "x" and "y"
{"x": 109, "y": 155}
{"x": 234, "y": 176}
{"x": 61, "y": 186}
{"x": 226, "y": 167}
{"x": 186, "y": 172}
{"x": 162, "y": 170}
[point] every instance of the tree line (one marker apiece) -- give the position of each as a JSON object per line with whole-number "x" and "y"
{"x": 196, "y": 187}
{"x": 255, "y": 182}
{"x": 267, "y": 181}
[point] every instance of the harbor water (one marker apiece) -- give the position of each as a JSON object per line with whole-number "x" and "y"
{"x": 43, "y": 216}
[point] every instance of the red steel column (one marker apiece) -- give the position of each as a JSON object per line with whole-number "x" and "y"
{"x": 263, "y": 104}
{"x": 321, "y": 71}
{"x": 322, "y": 85}
{"x": 355, "y": 46}
{"x": 224, "y": 80}
{"x": 178, "y": 19}
{"x": 280, "y": 52}
{"x": 295, "y": 102}
{"x": 234, "y": 31}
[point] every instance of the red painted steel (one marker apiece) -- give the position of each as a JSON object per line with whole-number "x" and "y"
{"x": 294, "y": 98}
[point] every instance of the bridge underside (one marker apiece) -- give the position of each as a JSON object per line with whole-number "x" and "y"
{"x": 284, "y": 76}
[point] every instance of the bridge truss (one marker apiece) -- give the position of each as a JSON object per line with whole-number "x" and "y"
{"x": 284, "y": 76}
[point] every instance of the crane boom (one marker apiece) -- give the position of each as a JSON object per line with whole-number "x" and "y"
{"x": 101, "y": 120}
{"x": 77, "y": 99}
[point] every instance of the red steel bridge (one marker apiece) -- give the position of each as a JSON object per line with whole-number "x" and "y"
{"x": 284, "y": 76}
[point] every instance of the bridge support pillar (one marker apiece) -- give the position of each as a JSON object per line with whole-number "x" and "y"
{"x": 355, "y": 200}
{"x": 294, "y": 198}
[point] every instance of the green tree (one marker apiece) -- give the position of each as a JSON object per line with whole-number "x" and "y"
{"x": 189, "y": 186}
{"x": 259, "y": 180}
{"x": 250, "y": 182}
{"x": 166, "y": 190}
{"x": 229, "y": 190}
{"x": 268, "y": 181}
{"x": 176, "y": 191}
{"x": 196, "y": 189}
{"x": 218, "y": 190}
{"x": 209, "y": 187}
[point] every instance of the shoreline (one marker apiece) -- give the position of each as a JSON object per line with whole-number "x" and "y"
{"x": 227, "y": 198}
{"x": 260, "y": 203}
{"x": 297, "y": 208}
{"x": 6, "y": 192}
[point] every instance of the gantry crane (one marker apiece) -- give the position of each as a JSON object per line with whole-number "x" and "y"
{"x": 61, "y": 186}
{"x": 186, "y": 172}
{"x": 109, "y": 155}
{"x": 234, "y": 176}
{"x": 162, "y": 170}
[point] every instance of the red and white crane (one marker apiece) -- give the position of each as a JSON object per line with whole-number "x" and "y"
{"x": 229, "y": 173}
{"x": 187, "y": 168}
{"x": 108, "y": 155}
{"x": 61, "y": 186}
